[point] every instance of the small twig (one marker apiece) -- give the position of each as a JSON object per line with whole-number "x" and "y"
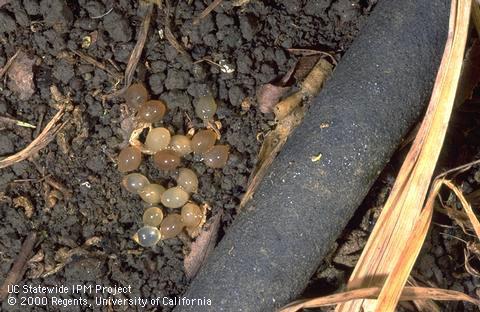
{"x": 236, "y": 3}
{"x": 7, "y": 121}
{"x": 67, "y": 193}
{"x": 208, "y": 61}
{"x": 94, "y": 62}
{"x": 459, "y": 169}
{"x": 113, "y": 64}
{"x": 168, "y": 32}
{"x": 18, "y": 268}
{"x": 207, "y": 11}
{"x": 103, "y": 15}
{"x": 39, "y": 123}
{"x": 31, "y": 180}
{"x": 5, "y": 68}
{"x": 45, "y": 137}
{"x": 136, "y": 53}
{"x": 309, "y": 52}
{"x": 202, "y": 246}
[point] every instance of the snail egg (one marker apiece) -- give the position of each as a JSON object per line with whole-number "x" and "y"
{"x": 174, "y": 197}
{"x": 129, "y": 159}
{"x": 187, "y": 179}
{"x": 217, "y": 156}
{"x": 166, "y": 160}
{"x": 181, "y": 144}
{"x": 152, "y": 193}
{"x": 171, "y": 226}
{"x": 203, "y": 140}
{"x": 191, "y": 215}
{"x": 206, "y": 107}
{"x": 157, "y": 139}
{"x": 136, "y": 95}
{"x": 133, "y": 182}
{"x": 152, "y": 111}
{"x": 148, "y": 236}
{"x": 153, "y": 216}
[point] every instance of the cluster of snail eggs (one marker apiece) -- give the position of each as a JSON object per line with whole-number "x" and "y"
{"x": 157, "y": 225}
{"x": 167, "y": 151}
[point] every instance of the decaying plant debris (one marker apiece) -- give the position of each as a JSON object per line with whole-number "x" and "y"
{"x": 290, "y": 114}
{"x": 46, "y": 136}
{"x": 17, "y": 270}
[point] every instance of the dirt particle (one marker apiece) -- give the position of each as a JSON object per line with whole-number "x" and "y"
{"x": 63, "y": 71}
{"x": 32, "y": 7}
{"x": 95, "y": 8}
{"x": 20, "y": 15}
{"x": 6, "y": 145}
{"x": 117, "y": 27}
{"x": 56, "y": 13}
{"x": 244, "y": 64}
{"x": 345, "y": 10}
{"x": 316, "y": 8}
{"x": 155, "y": 82}
{"x": 249, "y": 26}
{"x": 293, "y": 6}
{"x": 236, "y": 95}
{"x": 210, "y": 40}
{"x": 7, "y": 23}
{"x": 3, "y": 107}
{"x": 178, "y": 99}
{"x": 123, "y": 52}
{"x": 21, "y": 76}
{"x": 20, "y": 168}
{"x": 176, "y": 79}
{"x": 223, "y": 20}
{"x": 97, "y": 164}
{"x": 158, "y": 66}
{"x": 85, "y": 270}
{"x": 87, "y": 24}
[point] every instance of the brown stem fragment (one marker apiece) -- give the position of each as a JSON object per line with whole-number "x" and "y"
{"x": 45, "y": 137}
{"x": 168, "y": 31}
{"x": 137, "y": 51}
{"x": 289, "y": 114}
{"x": 5, "y": 68}
{"x": 18, "y": 268}
{"x": 207, "y": 11}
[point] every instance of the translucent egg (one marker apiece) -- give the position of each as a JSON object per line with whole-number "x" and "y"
{"x": 206, "y": 107}
{"x": 174, "y": 197}
{"x": 157, "y": 139}
{"x": 153, "y": 216}
{"x": 217, "y": 156}
{"x": 136, "y": 95}
{"x": 187, "y": 179}
{"x": 171, "y": 226}
{"x": 148, "y": 236}
{"x": 166, "y": 160}
{"x": 203, "y": 140}
{"x": 152, "y": 193}
{"x": 152, "y": 111}
{"x": 133, "y": 182}
{"x": 181, "y": 144}
{"x": 191, "y": 215}
{"x": 129, "y": 159}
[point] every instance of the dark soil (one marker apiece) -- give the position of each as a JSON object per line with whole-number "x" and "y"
{"x": 95, "y": 224}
